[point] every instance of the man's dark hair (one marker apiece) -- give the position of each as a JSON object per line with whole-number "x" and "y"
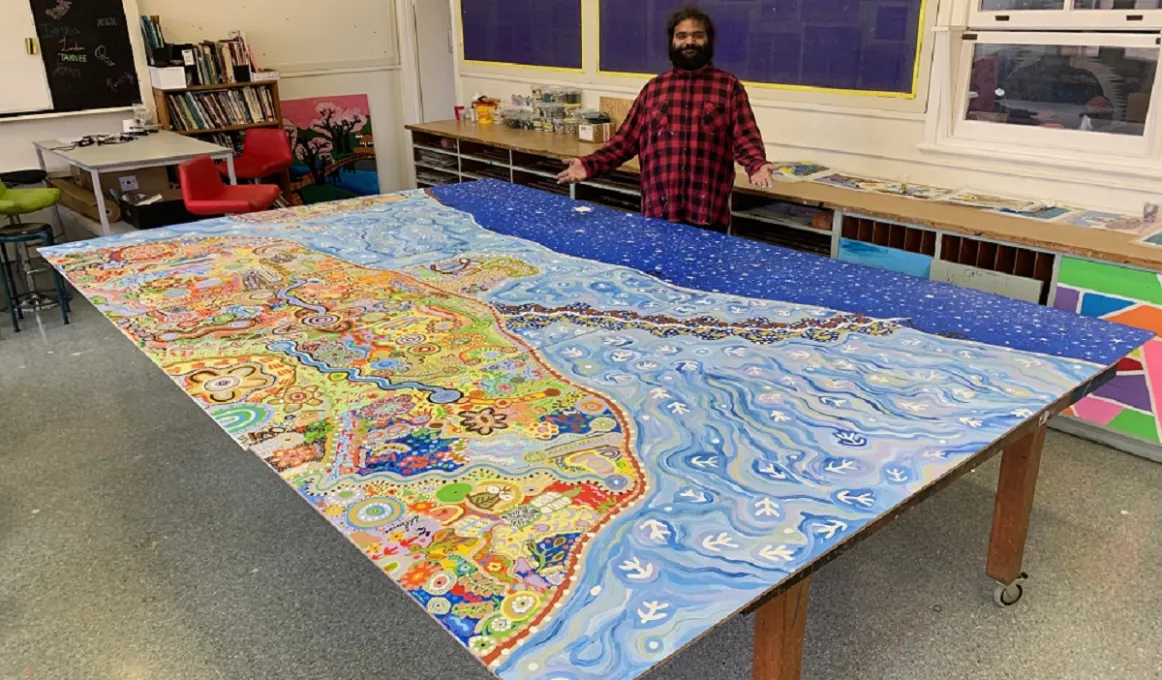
{"x": 691, "y": 12}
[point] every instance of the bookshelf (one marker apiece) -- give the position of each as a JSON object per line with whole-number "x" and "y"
{"x": 210, "y": 109}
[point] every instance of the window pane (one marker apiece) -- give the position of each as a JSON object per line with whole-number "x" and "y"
{"x": 1103, "y": 89}
{"x": 1116, "y": 4}
{"x": 1006, "y": 5}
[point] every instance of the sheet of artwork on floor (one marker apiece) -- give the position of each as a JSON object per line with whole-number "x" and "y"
{"x": 575, "y": 467}
{"x": 333, "y": 146}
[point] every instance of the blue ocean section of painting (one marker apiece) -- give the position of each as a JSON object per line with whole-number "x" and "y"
{"x": 704, "y": 260}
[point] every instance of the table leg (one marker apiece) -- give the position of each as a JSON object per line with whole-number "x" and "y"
{"x": 230, "y": 169}
{"x": 1018, "y": 482}
{"x": 105, "y": 229}
{"x": 59, "y": 225}
{"x": 778, "y": 635}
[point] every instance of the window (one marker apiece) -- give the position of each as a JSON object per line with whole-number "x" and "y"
{"x": 1065, "y": 14}
{"x": 1064, "y": 87}
{"x": 1052, "y": 93}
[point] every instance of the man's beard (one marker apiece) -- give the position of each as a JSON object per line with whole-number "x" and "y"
{"x": 693, "y": 62}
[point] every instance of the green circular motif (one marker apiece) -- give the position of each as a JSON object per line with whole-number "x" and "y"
{"x": 374, "y": 512}
{"x": 602, "y": 424}
{"x": 453, "y": 493}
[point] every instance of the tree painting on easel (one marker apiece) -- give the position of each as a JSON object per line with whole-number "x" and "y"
{"x": 333, "y": 146}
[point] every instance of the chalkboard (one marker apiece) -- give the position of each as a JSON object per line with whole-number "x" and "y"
{"x": 87, "y": 53}
{"x": 545, "y": 33}
{"x": 862, "y": 45}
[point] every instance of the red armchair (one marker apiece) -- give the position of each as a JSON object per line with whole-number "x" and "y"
{"x": 265, "y": 152}
{"x": 204, "y": 193}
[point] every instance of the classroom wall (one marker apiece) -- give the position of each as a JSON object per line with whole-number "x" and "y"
{"x": 341, "y": 47}
{"x": 18, "y": 133}
{"x": 322, "y": 49}
{"x": 864, "y": 135}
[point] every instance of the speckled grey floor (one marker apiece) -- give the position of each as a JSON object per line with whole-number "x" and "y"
{"x": 137, "y": 541}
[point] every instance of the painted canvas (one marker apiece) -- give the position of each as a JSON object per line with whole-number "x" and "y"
{"x": 881, "y": 186}
{"x": 1107, "y": 220}
{"x": 333, "y": 146}
{"x": 973, "y": 199}
{"x": 576, "y": 468}
{"x": 799, "y": 170}
{"x": 1153, "y": 238}
{"x": 1043, "y": 213}
{"x": 1129, "y": 404}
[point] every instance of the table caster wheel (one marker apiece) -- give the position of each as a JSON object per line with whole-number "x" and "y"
{"x": 1009, "y": 595}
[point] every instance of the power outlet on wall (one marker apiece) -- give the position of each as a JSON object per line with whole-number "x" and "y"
{"x": 129, "y": 183}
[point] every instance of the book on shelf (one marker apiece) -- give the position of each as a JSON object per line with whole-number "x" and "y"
{"x": 151, "y": 31}
{"x": 221, "y": 63}
{"x": 192, "y": 111}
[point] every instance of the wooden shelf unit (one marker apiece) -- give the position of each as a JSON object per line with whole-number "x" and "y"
{"x": 165, "y": 117}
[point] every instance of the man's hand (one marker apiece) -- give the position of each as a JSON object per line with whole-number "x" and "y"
{"x": 762, "y": 178}
{"x": 574, "y": 173}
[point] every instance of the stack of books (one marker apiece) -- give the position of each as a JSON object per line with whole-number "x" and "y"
{"x": 151, "y": 30}
{"x": 222, "y": 62}
{"x": 192, "y": 111}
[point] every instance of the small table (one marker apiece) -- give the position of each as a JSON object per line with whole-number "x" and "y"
{"x": 160, "y": 149}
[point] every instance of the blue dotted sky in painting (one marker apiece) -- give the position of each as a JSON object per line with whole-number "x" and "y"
{"x": 707, "y": 261}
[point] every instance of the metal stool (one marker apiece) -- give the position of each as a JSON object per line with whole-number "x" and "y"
{"x": 20, "y": 178}
{"x": 25, "y": 235}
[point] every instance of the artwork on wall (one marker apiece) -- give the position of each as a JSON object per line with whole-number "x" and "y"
{"x": 333, "y": 146}
{"x": 1129, "y": 403}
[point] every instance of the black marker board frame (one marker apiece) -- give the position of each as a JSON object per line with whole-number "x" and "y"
{"x": 860, "y": 47}
{"x": 543, "y": 34}
{"x": 87, "y": 52}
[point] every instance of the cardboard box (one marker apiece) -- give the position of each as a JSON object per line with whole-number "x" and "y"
{"x": 84, "y": 201}
{"x": 168, "y": 77}
{"x": 598, "y": 134}
{"x": 148, "y": 181}
{"x": 169, "y": 210}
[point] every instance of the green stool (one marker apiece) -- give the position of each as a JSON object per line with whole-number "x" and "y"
{"x": 14, "y": 203}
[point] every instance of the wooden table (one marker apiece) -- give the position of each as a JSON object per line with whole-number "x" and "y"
{"x": 544, "y": 445}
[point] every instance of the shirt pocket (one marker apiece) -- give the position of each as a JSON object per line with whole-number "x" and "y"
{"x": 713, "y": 120}
{"x": 658, "y": 124}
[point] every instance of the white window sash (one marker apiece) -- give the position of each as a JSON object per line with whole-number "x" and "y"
{"x": 1034, "y": 139}
{"x": 1062, "y": 19}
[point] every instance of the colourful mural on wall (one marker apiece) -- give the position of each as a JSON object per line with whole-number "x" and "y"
{"x": 1129, "y": 404}
{"x": 333, "y": 146}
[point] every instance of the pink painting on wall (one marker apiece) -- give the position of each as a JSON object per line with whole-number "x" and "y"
{"x": 334, "y": 148}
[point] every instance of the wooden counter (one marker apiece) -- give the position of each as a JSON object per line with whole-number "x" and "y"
{"x": 1096, "y": 244}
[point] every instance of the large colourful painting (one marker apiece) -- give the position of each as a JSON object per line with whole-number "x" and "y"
{"x": 575, "y": 468}
{"x": 1128, "y": 404}
{"x": 333, "y": 146}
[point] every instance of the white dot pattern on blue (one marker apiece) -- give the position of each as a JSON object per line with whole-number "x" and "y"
{"x": 712, "y": 262}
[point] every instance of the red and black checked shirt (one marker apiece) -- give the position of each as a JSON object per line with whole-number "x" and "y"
{"x": 688, "y": 127}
